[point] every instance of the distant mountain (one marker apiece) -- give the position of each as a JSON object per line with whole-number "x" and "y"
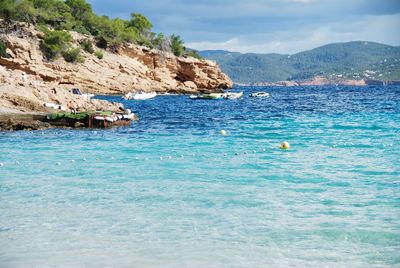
{"x": 352, "y": 60}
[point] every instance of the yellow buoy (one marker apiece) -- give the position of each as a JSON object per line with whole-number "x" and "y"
{"x": 222, "y": 132}
{"x": 284, "y": 145}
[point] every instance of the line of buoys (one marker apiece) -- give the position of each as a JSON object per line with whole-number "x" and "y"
{"x": 284, "y": 145}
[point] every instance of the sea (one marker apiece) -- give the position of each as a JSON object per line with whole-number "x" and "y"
{"x": 171, "y": 191}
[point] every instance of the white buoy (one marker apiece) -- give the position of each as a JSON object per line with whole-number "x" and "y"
{"x": 245, "y": 152}
{"x": 58, "y": 163}
{"x": 72, "y": 160}
{"x": 284, "y": 145}
{"x": 223, "y": 132}
{"x": 204, "y": 154}
{"x": 193, "y": 154}
{"x": 161, "y": 158}
{"x": 263, "y": 150}
{"x": 254, "y": 151}
{"x": 112, "y": 157}
{"x": 1, "y": 164}
{"x": 17, "y": 163}
{"x": 84, "y": 159}
{"x": 169, "y": 157}
{"x": 225, "y": 154}
{"x": 136, "y": 158}
{"x": 182, "y": 156}
{"x": 236, "y": 153}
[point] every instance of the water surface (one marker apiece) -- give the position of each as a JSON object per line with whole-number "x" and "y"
{"x": 170, "y": 191}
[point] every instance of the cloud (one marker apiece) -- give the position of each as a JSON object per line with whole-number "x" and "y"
{"x": 367, "y": 28}
{"x": 285, "y": 26}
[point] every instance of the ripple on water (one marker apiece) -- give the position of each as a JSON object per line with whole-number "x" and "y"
{"x": 234, "y": 200}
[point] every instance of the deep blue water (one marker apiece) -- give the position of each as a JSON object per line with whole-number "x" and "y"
{"x": 170, "y": 191}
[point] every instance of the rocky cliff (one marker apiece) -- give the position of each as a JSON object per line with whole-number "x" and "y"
{"x": 129, "y": 68}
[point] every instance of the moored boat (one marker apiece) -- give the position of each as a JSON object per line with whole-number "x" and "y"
{"x": 208, "y": 96}
{"x": 260, "y": 94}
{"x": 139, "y": 96}
{"x": 233, "y": 95}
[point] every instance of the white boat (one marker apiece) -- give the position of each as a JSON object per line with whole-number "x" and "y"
{"x": 259, "y": 94}
{"x": 140, "y": 96}
{"x": 208, "y": 96}
{"x": 233, "y": 95}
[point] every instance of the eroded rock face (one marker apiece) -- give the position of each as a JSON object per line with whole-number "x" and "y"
{"x": 131, "y": 68}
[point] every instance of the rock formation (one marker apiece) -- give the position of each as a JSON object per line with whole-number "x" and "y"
{"x": 129, "y": 68}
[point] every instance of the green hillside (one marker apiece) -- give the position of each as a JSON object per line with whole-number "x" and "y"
{"x": 352, "y": 60}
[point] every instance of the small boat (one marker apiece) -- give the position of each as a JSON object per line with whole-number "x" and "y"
{"x": 208, "y": 96}
{"x": 259, "y": 94}
{"x": 140, "y": 96}
{"x": 233, "y": 95}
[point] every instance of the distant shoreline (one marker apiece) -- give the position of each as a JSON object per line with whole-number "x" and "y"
{"x": 322, "y": 81}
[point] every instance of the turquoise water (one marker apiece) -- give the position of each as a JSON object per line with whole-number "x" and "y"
{"x": 170, "y": 191}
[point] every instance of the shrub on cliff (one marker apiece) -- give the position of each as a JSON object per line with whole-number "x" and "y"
{"x": 87, "y": 46}
{"x": 177, "y": 45}
{"x": 55, "y": 42}
{"x": 3, "y": 49}
{"x": 54, "y": 13}
{"x": 99, "y": 54}
{"x": 194, "y": 54}
{"x": 73, "y": 55}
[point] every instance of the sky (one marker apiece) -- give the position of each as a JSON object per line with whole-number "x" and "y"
{"x": 265, "y": 26}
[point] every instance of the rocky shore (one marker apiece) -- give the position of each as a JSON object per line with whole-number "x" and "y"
{"x": 28, "y": 80}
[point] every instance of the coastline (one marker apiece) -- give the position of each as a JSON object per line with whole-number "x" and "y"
{"x": 323, "y": 81}
{"x": 29, "y": 83}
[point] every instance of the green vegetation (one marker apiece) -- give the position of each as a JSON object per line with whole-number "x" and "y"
{"x": 177, "y": 45}
{"x": 194, "y": 54}
{"x": 3, "y": 48}
{"x": 54, "y": 43}
{"x": 77, "y": 15}
{"x": 352, "y": 60}
{"x": 73, "y": 55}
{"x": 99, "y": 54}
{"x": 87, "y": 46}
